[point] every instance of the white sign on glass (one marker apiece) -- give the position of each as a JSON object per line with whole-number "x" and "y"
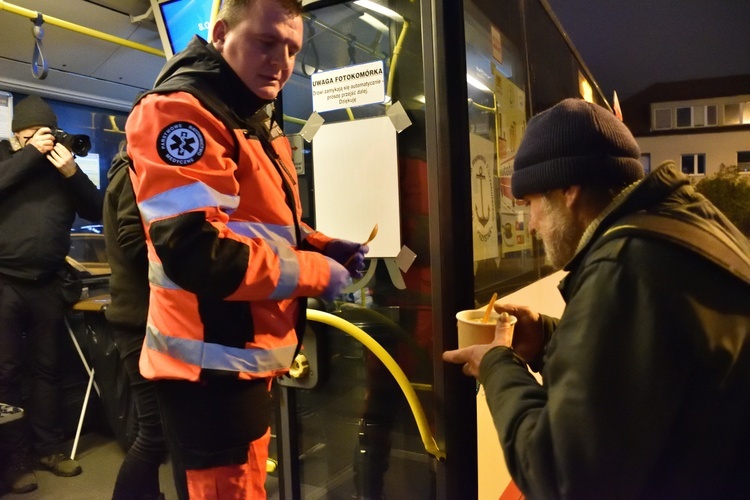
{"x": 348, "y": 87}
{"x": 6, "y": 114}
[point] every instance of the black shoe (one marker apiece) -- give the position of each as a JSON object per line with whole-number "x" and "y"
{"x": 20, "y": 477}
{"x": 60, "y": 465}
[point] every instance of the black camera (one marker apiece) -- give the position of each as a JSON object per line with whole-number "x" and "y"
{"x": 78, "y": 144}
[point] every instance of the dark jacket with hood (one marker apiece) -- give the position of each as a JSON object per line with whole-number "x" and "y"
{"x": 126, "y": 249}
{"x": 646, "y": 376}
{"x": 37, "y": 209}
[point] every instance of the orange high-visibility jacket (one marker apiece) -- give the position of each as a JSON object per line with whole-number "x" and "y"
{"x": 226, "y": 272}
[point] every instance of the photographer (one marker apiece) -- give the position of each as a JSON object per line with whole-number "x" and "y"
{"x": 41, "y": 191}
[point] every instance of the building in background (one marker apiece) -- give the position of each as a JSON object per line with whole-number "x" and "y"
{"x": 698, "y": 124}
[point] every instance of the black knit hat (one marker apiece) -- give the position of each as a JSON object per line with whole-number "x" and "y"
{"x": 32, "y": 112}
{"x": 575, "y": 143}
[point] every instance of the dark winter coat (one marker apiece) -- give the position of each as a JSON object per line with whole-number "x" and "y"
{"x": 126, "y": 249}
{"x": 37, "y": 209}
{"x": 647, "y": 373}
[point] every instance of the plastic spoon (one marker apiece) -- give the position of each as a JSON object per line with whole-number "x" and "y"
{"x": 488, "y": 311}
{"x": 373, "y": 233}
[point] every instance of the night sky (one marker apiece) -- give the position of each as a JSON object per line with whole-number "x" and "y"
{"x": 630, "y": 44}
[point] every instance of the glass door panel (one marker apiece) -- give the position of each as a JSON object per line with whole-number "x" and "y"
{"x": 354, "y": 434}
{"x": 504, "y": 252}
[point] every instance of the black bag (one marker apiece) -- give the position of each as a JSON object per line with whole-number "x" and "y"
{"x": 70, "y": 284}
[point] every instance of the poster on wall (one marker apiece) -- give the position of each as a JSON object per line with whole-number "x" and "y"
{"x": 511, "y": 125}
{"x": 6, "y": 114}
{"x": 483, "y": 215}
{"x": 90, "y": 166}
{"x": 511, "y": 114}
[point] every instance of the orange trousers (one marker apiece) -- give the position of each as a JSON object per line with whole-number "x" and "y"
{"x": 233, "y": 482}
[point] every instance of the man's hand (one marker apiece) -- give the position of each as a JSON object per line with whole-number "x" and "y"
{"x": 471, "y": 357}
{"x": 43, "y": 140}
{"x": 528, "y": 335}
{"x": 338, "y": 280}
{"x": 61, "y": 158}
{"x": 350, "y": 253}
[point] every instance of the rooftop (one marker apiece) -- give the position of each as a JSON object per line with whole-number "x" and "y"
{"x": 636, "y": 109}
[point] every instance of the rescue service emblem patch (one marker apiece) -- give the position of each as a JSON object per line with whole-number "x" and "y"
{"x": 181, "y": 143}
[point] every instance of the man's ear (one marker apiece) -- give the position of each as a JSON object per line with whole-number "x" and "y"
{"x": 218, "y": 33}
{"x": 572, "y": 196}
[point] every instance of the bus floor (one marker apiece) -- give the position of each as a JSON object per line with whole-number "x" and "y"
{"x": 100, "y": 457}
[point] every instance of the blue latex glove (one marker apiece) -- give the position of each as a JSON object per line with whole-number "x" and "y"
{"x": 342, "y": 250}
{"x": 338, "y": 281}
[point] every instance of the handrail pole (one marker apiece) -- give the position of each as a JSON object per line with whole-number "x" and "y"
{"x": 416, "y": 408}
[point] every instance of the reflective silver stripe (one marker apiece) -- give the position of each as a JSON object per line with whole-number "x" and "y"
{"x": 184, "y": 199}
{"x": 268, "y": 232}
{"x": 289, "y": 277}
{"x": 157, "y": 276}
{"x": 220, "y": 357}
{"x": 280, "y": 239}
{"x": 306, "y": 231}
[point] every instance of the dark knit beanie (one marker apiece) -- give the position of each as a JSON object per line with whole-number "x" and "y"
{"x": 32, "y": 112}
{"x": 575, "y": 143}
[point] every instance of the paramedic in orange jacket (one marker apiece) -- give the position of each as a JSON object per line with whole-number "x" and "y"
{"x": 230, "y": 262}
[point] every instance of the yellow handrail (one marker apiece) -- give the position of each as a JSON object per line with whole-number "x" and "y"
{"x": 394, "y": 58}
{"x": 416, "y": 408}
{"x": 215, "y": 7}
{"x": 14, "y": 9}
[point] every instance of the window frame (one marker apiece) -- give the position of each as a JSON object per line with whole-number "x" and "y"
{"x": 698, "y": 163}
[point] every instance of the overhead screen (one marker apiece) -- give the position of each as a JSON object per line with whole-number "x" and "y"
{"x": 179, "y": 20}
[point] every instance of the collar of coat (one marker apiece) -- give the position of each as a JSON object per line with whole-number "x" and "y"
{"x": 201, "y": 64}
{"x": 665, "y": 191}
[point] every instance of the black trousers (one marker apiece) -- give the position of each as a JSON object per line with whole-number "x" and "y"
{"x": 138, "y": 477}
{"x": 211, "y": 423}
{"x": 31, "y": 329}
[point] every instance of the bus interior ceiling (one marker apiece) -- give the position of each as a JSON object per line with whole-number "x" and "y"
{"x": 87, "y": 70}
{"x": 82, "y": 68}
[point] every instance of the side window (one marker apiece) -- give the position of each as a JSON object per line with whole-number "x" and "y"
{"x": 694, "y": 164}
{"x": 699, "y": 116}
{"x": 732, "y": 114}
{"x": 711, "y": 115}
{"x": 684, "y": 117}
{"x": 743, "y": 161}
{"x": 662, "y": 119}
{"x": 746, "y": 112}
{"x": 646, "y": 162}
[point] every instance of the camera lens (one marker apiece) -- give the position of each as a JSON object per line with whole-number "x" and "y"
{"x": 78, "y": 144}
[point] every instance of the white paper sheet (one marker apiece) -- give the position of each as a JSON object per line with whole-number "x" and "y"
{"x": 356, "y": 183}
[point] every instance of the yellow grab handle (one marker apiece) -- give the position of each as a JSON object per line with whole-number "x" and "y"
{"x": 32, "y": 14}
{"x": 411, "y": 397}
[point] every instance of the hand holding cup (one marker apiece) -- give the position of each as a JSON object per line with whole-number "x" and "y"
{"x": 476, "y": 337}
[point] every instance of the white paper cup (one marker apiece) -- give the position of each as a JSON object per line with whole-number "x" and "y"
{"x": 472, "y": 330}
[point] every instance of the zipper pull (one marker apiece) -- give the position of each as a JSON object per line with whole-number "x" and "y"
{"x": 294, "y": 183}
